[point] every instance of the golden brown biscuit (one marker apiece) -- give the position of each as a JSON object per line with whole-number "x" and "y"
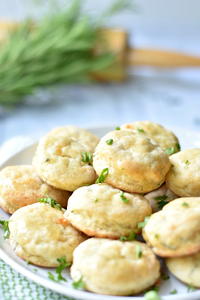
{"x": 160, "y": 197}
{"x": 64, "y": 156}
{"x": 40, "y": 235}
{"x": 114, "y": 267}
{"x": 186, "y": 268}
{"x": 103, "y": 211}
{"x": 175, "y": 230}
{"x": 135, "y": 163}
{"x": 165, "y": 138}
{"x": 21, "y": 186}
{"x": 184, "y": 176}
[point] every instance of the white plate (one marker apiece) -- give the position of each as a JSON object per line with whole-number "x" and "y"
{"x": 188, "y": 139}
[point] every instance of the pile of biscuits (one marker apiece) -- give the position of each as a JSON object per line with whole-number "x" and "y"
{"x": 111, "y": 207}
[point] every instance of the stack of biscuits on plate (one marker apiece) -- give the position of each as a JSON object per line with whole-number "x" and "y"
{"x": 110, "y": 207}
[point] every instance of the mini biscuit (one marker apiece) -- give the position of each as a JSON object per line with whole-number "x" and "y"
{"x": 165, "y": 138}
{"x": 114, "y": 267}
{"x": 186, "y": 268}
{"x": 160, "y": 197}
{"x": 103, "y": 211}
{"x": 60, "y": 158}
{"x": 184, "y": 176}
{"x": 135, "y": 163}
{"x": 39, "y": 234}
{"x": 21, "y": 186}
{"x": 175, "y": 230}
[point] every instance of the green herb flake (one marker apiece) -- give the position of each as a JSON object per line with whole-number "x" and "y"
{"x": 62, "y": 265}
{"x": 87, "y": 157}
{"x": 152, "y": 295}
{"x": 161, "y": 201}
{"x": 178, "y": 147}
{"x": 143, "y": 224}
{"x": 79, "y": 284}
{"x": 185, "y": 204}
{"x": 6, "y": 229}
{"x": 157, "y": 236}
{"x": 140, "y": 130}
{"x": 138, "y": 251}
{"x": 173, "y": 292}
{"x": 53, "y": 203}
{"x": 187, "y": 162}
{"x": 130, "y": 237}
{"x": 109, "y": 142}
{"x": 172, "y": 150}
{"x": 117, "y": 128}
{"x": 123, "y": 198}
{"x": 165, "y": 276}
{"x": 96, "y": 200}
{"x": 51, "y": 276}
{"x": 191, "y": 288}
{"x": 102, "y": 176}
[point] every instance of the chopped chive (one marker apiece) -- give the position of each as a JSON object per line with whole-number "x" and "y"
{"x": 123, "y": 198}
{"x": 53, "y": 203}
{"x": 152, "y": 295}
{"x": 130, "y": 237}
{"x": 187, "y": 162}
{"x": 102, "y": 176}
{"x": 79, "y": 284}
{"x": 173, "y": 292}
{"x": 191, "y": 288}
{"x": 117, "y": 128}
{"x": 138, "y": 251}
{"x": 6, "y": 229}
{"x": 140, "y": 130}
{"x": 86, "y": 157}
{"x": 161, "y": 201}
{"x": 109, "y": 142}
{"x": 185, "y": 204}
{"x": 143, "y": 224}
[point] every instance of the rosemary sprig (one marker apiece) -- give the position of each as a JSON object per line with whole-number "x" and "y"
{"x": 58, "y": 49}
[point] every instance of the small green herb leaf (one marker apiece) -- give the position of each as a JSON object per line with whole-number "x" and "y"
{"x": 138, "y": 251}
{"x": 53, "y": 203}
{"x": 152, "y": 295}
{"x": 6, "y": 229}
{"x": 86, "y": 157}
{"x": 191, "y": 288}
{"x": 185, "y": 204}
{"x": 143, "y": 224}
{"x": 187, "y": 162}
{"x": 123, "y": 198}
{"x": 51, "y": 276}
{"x": 109, "y": 142}
{"x": 79, "y": 284}
{"x": 117, "y": 128}
{"x": 62, "y": 265}
{"x": 173, "y": 292}
{"x": 172, "y": 150}
{"x": 161, "y": 201}
{"x": 140, "y": 130}
{"x": 102, "y": 176}
{"x": 130, "y": 237}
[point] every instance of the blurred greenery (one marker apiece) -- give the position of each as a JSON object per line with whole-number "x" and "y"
{"x": 58, "y": 49}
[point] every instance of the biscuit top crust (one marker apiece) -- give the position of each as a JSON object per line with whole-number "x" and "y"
{"x": 162, "y": 136}
{"x": 99, "y": 209}
{"x": 115, "y": 267}
{"x": 58, "y": 157}
{"x": 136, "y": 163}
{"x": 20, "y": 185}
{"x": 184, "y": 176}
{"x": 37, "y": 231}
{"x": 175, "y": 230}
